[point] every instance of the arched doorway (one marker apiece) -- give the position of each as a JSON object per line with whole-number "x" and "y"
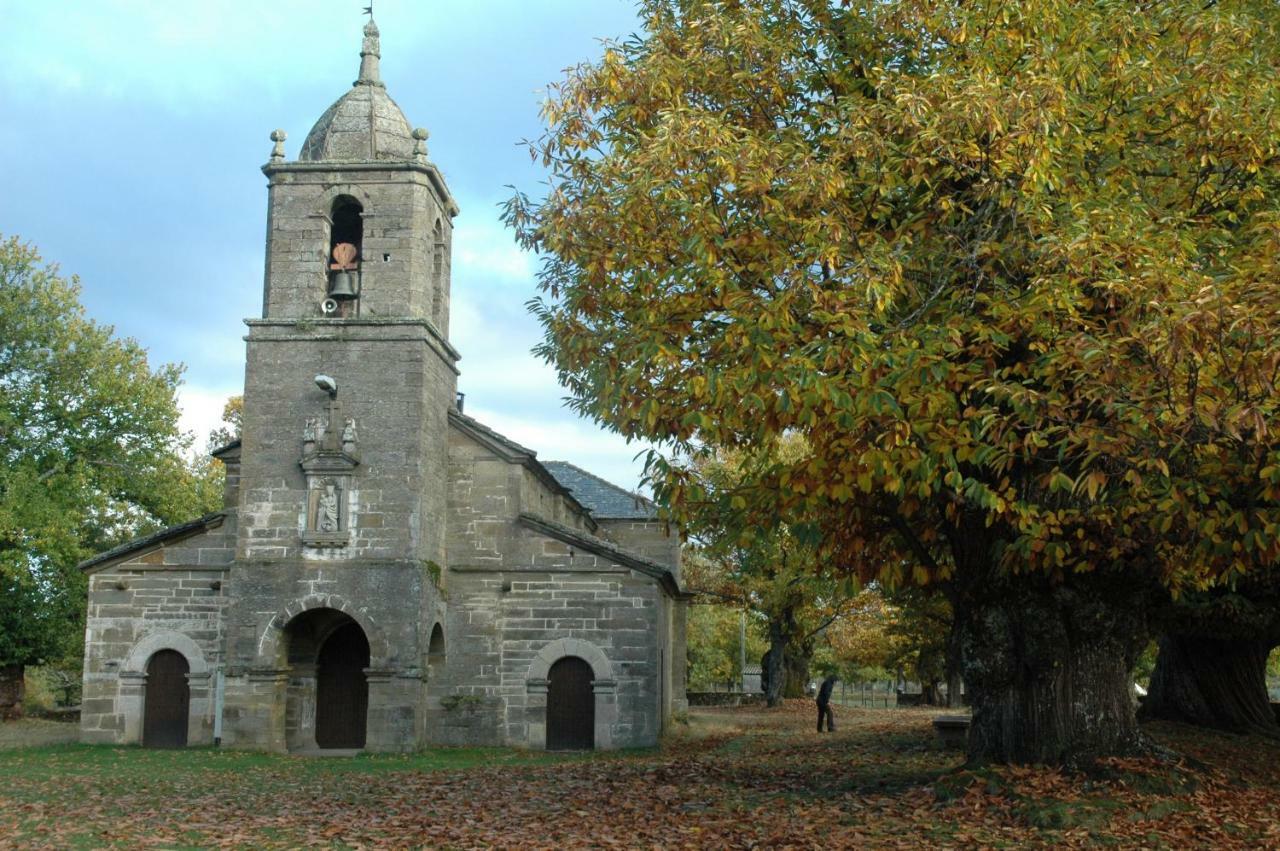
{"x": 571, "y": 706}
{"x": 327, "y": 696}
{"x": 342, "y": 693}
{"x": 167, "y": 701}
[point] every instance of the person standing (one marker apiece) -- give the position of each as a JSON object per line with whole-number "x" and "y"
{"x": 824, "y": 704}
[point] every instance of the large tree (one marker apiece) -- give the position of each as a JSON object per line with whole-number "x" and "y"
{"x": 90, "y": 454}
{"x": 999, "y": 262}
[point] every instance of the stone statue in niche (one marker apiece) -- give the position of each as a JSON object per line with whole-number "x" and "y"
{"x": 349, "y": 435}
{"x": 312, "y": 431}
{"x": 326, "y": 510}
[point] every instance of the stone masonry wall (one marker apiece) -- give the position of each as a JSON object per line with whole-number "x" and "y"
{"x": 387, "y": 600}
{"x": 655, "y": 540}
{"x": 398, "y": 275}
{"x": 502, "y": 619}
{"x": 169, "y": 598}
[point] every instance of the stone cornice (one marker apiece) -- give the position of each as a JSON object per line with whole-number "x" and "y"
{"x": 361, "y": 329}
{"x": 432, "y": 173}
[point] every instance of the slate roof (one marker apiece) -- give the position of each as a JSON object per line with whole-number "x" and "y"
{"x": 603, "y": 499}
{"x": 164, "y": 536}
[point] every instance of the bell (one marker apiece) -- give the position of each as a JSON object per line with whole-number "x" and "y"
{"x": 341, "y": 285}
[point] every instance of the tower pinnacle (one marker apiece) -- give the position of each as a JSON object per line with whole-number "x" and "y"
{"x": 370, "y": 53}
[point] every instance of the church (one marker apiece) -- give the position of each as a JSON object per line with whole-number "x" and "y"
{"x": 386, "y": 573}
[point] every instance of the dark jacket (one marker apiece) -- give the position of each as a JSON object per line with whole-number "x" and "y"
{"x": 824, "y": 693}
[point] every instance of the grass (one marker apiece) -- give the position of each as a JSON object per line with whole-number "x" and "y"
{"x": 729, "y": 778}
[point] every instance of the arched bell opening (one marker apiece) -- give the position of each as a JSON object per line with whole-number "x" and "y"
{"x": 571, "y": 706}
{"x": 166, "y": 703}
{"x": 346, "y": 240}
{"x": 327, "y": 702}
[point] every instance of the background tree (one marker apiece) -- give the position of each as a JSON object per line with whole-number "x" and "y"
{"x": 769, "y": 570}
{"x": 229, "y": 429}
{"x": 1211, "y": 668}
{"x": 995, "y": 261}
{"x": 714, "y": 639}
{"x": 90, "y": 455}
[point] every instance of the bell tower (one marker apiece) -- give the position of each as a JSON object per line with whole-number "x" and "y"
{"x": 356, "y": 290}
{"x": 348, "y": 384}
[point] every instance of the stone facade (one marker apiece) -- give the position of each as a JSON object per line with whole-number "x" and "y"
{"x": 387, "y": 572}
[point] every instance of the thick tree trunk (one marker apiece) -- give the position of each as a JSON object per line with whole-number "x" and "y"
{"x": 12, "y": 691}
{"x": 955, "y": 672}
{"x": 1049, "y": 668}
{"x": 773, "y": 672}
{"x": 796, "y": 662}
{"x": 1217, "y": 683}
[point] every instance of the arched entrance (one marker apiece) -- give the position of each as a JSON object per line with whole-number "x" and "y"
{"x": 342, "y": 694}
{"x": 571, "y": 706}
{"x": 167, "y": 701}
{"x": 327, "y": 702}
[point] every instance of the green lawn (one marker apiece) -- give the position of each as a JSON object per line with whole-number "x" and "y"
{"x": 732, "y": 778}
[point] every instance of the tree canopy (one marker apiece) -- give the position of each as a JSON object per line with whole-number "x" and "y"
{"x": 90, "y": 452}
{"x": 1007, "y": 267}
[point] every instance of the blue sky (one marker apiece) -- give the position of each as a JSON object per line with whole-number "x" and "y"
{"x": 133, "y": 134}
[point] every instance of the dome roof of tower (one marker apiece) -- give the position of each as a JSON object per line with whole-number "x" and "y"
{"x": 363, "y": 124}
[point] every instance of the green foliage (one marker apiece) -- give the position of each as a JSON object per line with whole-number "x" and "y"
{"x": 90, "y": 453}
{"x": 230, "y": 427}
{"x": 713, "y": 639}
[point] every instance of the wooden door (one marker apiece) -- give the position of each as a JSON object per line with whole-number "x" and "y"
{"x": 167, "y": 701}
{"x": 342, "y": 694}
{"x": 571, "y": 706}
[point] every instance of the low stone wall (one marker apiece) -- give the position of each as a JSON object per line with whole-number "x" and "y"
{"x": 724, "y": 698}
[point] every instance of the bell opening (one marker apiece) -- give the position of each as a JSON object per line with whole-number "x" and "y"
{"x": 345, "y": 240}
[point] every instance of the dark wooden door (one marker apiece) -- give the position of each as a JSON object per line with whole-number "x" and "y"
{"x": 167, "y": 701}
{"x": 342, "y": 694}
{"x": 571, "y": 706}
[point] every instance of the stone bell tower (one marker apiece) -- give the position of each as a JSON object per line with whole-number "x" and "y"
{"x": 348, "y": 384}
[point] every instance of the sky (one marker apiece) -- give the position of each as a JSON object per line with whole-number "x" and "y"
{"x": 132, "y": 140}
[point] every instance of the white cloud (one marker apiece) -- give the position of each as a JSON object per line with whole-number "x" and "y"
{"x": 201, "y": 410}
{"x": 487, "y": 250}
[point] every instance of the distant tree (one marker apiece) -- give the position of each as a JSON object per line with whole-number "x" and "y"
{"x": 714, "y": 644}
{"x": 770, "y": 570}
{"x": 90, "y": 454}
{"x": 1009, "y": 268}
{"x": 1211, "y": 668}
{"x": 229, "y": 429}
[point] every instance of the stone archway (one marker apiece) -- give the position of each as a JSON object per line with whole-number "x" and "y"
{"x": 327, "y": 655}
{"x": 272, "y": 650}
{"x": 134, "y": 679}
{"x": 603, "y": 688}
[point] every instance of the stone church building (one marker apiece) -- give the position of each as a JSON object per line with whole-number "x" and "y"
{"x": 387, "y": 572}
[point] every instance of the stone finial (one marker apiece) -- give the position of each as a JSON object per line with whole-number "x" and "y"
{"x": 277, "y": 152}
{"x": 370, "y": 53}
{"x": 420, "y": 142}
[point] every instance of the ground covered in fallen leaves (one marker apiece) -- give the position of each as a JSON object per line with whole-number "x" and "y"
{"x": 731, "y": 779}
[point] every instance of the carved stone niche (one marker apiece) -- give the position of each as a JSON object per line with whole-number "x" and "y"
{"x": 329, "y": 459}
